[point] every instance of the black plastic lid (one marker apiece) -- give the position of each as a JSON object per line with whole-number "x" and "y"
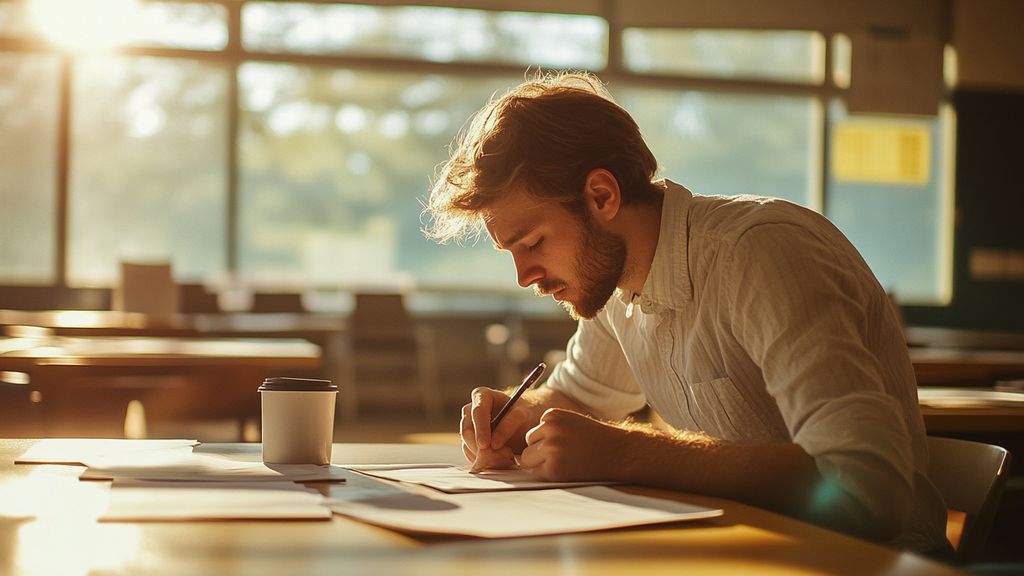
{"x": 285, "y": 384}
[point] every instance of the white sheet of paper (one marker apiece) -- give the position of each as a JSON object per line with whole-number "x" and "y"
{"x": 135, "y": 500}
{"x": 968, "y": 398}
{"x": 205, "y": 468}
{"x": 458, "y": 479}
{"x": 82, "y": 450}
{"x": 518, "y": 513}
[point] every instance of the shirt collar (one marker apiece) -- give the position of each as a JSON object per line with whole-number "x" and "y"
{"x": 668, "y": 282}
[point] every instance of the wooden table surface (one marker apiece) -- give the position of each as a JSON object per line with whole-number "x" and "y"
{"x": 58, "y": 534}
{"x": 82, "y": 386}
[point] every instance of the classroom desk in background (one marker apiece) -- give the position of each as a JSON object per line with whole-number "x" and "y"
{"x": 954, "y": 420}
{"x": 82, "y": 386}
{"x": 114, "y": 323}
{"x": 94, "y": 323}
{"x": 965, "y": 367}
{"x": 64, "y": 537}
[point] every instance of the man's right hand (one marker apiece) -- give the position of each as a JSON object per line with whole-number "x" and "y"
{"x": 484, "y": 448}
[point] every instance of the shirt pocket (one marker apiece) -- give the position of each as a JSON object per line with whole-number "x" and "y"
{"x": 722, "y": 410}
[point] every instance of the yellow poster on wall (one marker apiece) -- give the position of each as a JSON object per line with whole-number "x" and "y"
{"x": 879, "y": 153}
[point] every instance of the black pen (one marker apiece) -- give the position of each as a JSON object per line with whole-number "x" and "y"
{"x": 527, "y": 383}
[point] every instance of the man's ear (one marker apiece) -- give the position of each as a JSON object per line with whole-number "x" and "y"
{"x": 602, "y": 194}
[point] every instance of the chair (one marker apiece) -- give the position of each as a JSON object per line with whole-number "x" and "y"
{"x": 389, "y": 358}
{"x": 971, "y": 477}
{"x": 148, "y": 289}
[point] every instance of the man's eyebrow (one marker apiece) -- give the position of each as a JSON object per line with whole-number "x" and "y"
{"x": 513, "y": 239}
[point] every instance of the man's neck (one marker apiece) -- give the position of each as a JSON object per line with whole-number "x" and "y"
{"x": 640, "y": 228}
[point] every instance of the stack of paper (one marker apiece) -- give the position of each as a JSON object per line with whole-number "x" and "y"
{"x": 177, "y": 466}
{"x": 166, "y": 480}
{"x": 140, "y": 500}
{"x": 498, "y": 504}
{"x": 512, "y": 514}
{"x": 968, "y": 398}
{"x": 83, "y": 450}
{"x": 458, "y": 479}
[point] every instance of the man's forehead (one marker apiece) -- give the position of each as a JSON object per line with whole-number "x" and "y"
{"x": 508, "y": 221}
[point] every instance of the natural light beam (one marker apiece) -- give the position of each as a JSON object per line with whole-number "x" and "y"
{"x": 96, "y": 25}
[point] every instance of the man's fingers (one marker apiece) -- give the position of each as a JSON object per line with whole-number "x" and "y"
{"x": 536, "y": 434}
{"x": 494, "y": 460}
{"x": 508, "y": 426}
{"x": 468, "y": 453}
{"x": 533, "y": 457}
{"x": 481, "y": 415}
{"x": 466, "y": 430}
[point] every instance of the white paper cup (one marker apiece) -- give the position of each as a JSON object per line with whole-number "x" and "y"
{"x": 298, "y": 420}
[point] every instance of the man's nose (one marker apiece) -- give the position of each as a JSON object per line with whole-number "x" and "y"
{"x": 527, "y": 273}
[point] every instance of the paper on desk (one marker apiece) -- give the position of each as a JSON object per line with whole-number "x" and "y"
{"x": 968, "y": 398}
{"x": 82, "y": 450}
{"x": 135, "y": 500}
{"x": 458, "y": 479}
{"x": 518, "y": 513}
{"x": 179, "y": 466}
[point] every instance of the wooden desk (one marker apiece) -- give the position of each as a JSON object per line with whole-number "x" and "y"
{"x": 95, "y": 323}
{"x": 328, "y": 331}
{"x": 231, "y": 325}
{"x": 66, "y": 539}
{"x": 82, "y": 386}
{"x": 972, "y": 420}
{"x": 965, "y": 367}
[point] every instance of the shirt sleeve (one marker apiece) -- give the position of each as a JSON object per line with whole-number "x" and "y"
{"x": 802, "y": 305}
{"x": 595, "y": 373}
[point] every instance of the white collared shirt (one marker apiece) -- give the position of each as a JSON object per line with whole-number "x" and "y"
{"x": 760, "y": 322}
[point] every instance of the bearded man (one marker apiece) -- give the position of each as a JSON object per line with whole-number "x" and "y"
{"x": 750, "y": 325}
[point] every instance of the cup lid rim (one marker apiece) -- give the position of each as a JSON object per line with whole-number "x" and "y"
{"x": 289, "y": 384}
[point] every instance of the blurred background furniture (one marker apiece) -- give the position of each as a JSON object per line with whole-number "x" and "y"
{"x": 391, "y": 362}
{"x": 148, "y": 288}
{"x": 971, "y": 477}
{"x": 82, "y": 387}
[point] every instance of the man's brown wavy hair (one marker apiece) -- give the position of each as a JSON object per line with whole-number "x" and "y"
{"x": 542, "y": 137}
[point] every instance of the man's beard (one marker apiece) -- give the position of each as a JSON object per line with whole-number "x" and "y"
{"x": 599, "y": 265}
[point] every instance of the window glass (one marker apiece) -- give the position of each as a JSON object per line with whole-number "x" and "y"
{"x": 182, "y": 25}
{"x": 14, "y": 20}
{"x": 787, "y": 56}
{"x": 889, "y": 193}
{"x": 426, "y": 32}
{"x": 28, "y": 166}
{"x": 103, "y": 24}
{"x": 334, "y": 164}
{"x": 148, "y": 172}
{"x": 726, "y": 144}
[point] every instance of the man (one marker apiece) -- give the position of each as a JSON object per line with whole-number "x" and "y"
{"x": 750, "y": 325}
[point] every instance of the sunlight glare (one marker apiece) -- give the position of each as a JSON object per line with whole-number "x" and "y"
{"x": 88, "y": 26}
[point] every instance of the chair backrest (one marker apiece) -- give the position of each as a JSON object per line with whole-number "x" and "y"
{"x": 381, "y": 317}
{"x": 971, "y": 477}
{"x": 146, "y": 288}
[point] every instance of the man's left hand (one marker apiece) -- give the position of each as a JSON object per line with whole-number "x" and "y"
{"x": 568, "y": 446}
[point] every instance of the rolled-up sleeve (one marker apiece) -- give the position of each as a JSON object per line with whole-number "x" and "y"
{"x": 800, "y": 301}
{"x": 595, "y": 373}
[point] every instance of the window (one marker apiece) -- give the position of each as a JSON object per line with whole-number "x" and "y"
{"x": 426, "y": 32}
{"x": 727, "y": 144}
{"x": 15, "y": 20}
{"x": 333, "y": 164}
{"x": 28, "y": 166}
{"x": 148, "y": 173}
{"x": 788, "y": 56}
{"x": 104, "y": 24}
{"x": 890, "y": 193}
{"x": 298, "y": 156}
